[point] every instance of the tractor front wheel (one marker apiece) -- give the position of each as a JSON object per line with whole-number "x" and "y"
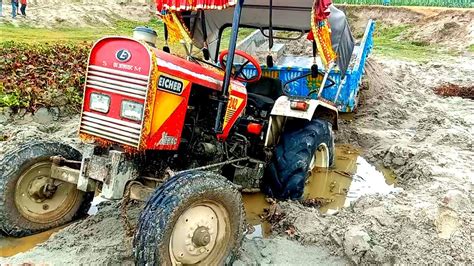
{"x": 30, "y": 200}
{"x": 195, "y": 218}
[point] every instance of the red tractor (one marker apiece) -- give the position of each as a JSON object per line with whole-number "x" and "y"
{"x": 185, "y": 134}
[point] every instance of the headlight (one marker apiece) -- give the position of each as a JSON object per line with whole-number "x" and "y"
{"x": 99, "y": 102}
{"x": 132, "y": 110}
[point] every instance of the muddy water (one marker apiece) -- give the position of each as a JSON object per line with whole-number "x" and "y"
{"x": 11, "y": 246}
{"x": 351, "y": 177}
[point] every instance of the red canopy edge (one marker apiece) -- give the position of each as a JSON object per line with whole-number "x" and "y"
{"x": 192, "y": 5}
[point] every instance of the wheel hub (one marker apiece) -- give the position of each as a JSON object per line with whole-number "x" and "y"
{"x": 39, "y": 199}
{"x": 41, "y": 188}
{"x": 201, "y": 237}
{"x": 196, "y": 234}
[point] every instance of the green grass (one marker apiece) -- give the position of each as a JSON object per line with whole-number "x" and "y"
{"x": 28, "y": 34}
{"x": 471, "y": 48}
{"x": 388, "y": 42}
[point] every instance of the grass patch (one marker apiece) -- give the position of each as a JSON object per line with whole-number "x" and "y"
{"x": 28, "y": 34}
{"x": 388, "y": 42}
{"x": 471, "y": 48}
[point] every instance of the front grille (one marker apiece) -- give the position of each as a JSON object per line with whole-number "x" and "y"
{"x": 116, "y": 81}
{"x": 111, "y": 129}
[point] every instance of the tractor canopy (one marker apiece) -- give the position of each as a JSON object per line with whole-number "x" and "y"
{"x": 187, "y": 5}
{"x": 205, "y": 21}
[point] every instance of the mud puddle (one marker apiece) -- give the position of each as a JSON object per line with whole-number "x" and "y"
{"x": 328, "y": 189}
{"x": 10, "y": 246}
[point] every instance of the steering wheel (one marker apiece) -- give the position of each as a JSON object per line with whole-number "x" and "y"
{"x": 239, "y": 73}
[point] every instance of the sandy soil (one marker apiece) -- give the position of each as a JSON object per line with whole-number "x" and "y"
{"x": 427, "y": 140}
{"x": 447, "y": 28}
{"x": 81, "y": 13}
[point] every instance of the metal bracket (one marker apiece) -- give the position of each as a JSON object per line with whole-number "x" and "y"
{"x": 83, "y": 181}
{"x": 122, "y": 170}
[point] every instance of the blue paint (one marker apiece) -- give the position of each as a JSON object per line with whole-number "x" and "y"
{"x": 346, "y": 101}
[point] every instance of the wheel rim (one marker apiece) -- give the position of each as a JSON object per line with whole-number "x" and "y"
{"x": 41, "y": 199}
{"x": 201, "y": 234}
{"x": 320, "y": 157}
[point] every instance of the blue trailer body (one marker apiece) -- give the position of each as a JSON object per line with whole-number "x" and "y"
{"x": 349, "y": 86}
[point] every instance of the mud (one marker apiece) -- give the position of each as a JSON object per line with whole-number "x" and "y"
{"x": 455, "y": 90}
{"x": 99, "y": 239}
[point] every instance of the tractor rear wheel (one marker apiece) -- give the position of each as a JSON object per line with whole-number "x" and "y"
{"x": 31, "y": 201}
{"x": 303, "y": 146}
{"x": 195, "y": 218}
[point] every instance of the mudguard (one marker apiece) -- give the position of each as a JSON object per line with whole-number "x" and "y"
{"x": 282, "y": 108}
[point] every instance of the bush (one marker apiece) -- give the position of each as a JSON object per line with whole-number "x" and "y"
{"x": 42, "y": 75}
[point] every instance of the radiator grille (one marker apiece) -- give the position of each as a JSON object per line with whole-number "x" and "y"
{"x": 117, "y": 82}
{"x": 111, "y": 129}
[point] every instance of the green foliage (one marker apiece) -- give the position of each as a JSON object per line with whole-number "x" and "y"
{"x": 471, "y": 48}
{"x": 38, "y": 75}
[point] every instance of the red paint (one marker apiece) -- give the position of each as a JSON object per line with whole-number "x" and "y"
{"x": 242, "y": 95}
{"x": 247, "y": 57}
{"x": 104, "y": 54}
{"x": 254, "y": 128}
{"x": 173, "y": 126}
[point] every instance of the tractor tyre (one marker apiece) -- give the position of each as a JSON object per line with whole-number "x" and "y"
{"x": 195, "y": 218}
{"x": 303, "y": 146}
{"x": 30, "y": 201}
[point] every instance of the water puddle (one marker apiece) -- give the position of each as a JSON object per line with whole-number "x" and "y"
{"x": 333, "y": 189}
{"x": 10, "y": 246}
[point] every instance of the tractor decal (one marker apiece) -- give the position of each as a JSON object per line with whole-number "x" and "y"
{"x": 168, "y": 113}
{"x": 235, "y": 106}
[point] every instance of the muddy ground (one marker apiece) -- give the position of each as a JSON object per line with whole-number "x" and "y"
{"x": 426, "y": 139}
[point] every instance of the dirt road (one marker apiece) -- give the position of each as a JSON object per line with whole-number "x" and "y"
{"x": 426, "y": 139}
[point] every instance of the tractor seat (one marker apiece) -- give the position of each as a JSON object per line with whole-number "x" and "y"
{"x": 260, "y": 102}
{"x": 267, "y": 87}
